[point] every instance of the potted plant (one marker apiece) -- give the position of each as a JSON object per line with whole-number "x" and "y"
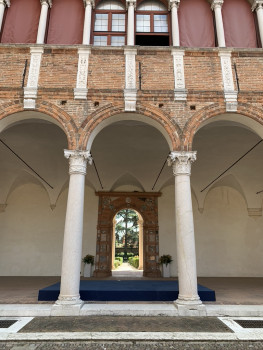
{"x": 165, "y": 261}
{"x": 88, "y": 262}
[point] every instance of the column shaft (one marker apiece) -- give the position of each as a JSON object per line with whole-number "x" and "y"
{"x": 72, "y": 247}
{"x": 2, "y": 11}
{"x": 42, "y": 22}
{"x": 219, "y": 26}
{"x": 175, "y": 26}
{"x": 130, "y": 28}
{"x": 260, "y": 22}
{"x": 185, "y": 239}
{"x": 87, "y": 24}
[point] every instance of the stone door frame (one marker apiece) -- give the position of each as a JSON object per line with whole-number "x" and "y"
{"x": 146, "y": 204}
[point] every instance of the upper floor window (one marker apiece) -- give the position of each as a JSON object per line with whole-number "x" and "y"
{"x": 109, "y": 24}
{"x": 152, "y": 24}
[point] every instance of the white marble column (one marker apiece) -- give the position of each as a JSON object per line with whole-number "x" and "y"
{"x": 72, "y": 247}
{"x": 258, "y": 6}
{"x": 217, "y": 7}
{"x": 174, "y": 5}
{"x": 3, "y": 4}
{"x": 188, "y": 302}
{"x": 45, "y": 4}
{"x": 130, "y": 5}
{"x": 89, "y": 5}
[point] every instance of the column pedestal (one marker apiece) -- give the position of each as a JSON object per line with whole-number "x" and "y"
{"x": 188, "y": 302}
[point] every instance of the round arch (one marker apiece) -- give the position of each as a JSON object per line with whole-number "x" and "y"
{"x": 248, "y": 116}
{"x": 140, "y": 237}
{"x": 109, "y": 115}
{"x": 13, "y": 114}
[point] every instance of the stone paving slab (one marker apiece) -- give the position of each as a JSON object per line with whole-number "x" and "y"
{"x": 125, "y": 324}
{"x": 170, "y": 345}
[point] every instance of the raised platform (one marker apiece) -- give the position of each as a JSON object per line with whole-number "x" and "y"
{"x": 126, "y": 290}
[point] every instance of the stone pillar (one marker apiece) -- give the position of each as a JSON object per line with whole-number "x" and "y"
{"x": 3, "y": 4}
{"x": 130, "y": 5}
{"x": 188, "y": 302}
{"x": 258, "y": 6}
{"x": 89, "y": 4}
{"x": 45, "y": 4}
{"x": 173, "y": 5}
{"x": 140, "y": 222}
{"x": 113, "y": 243}
{"x": 69, "y": 298}
{"x": 217, "y": 7}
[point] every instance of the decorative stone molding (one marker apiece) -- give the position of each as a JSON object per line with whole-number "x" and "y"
{"x": 180, "y": 92}
{"x": 130, "y": 91}
{"x": 254, "y": 211}
{"x": 30, "y": 91}
{"x": 181, "y": 162}
{"x": 217, "y": 3}
{"x": 2, "y": 207}
{"x": 228, "y": 81}
{"x": 81, "y": 90}
{"x": 78, "y": 161}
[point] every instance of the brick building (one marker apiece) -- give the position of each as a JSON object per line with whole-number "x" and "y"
{"x": 124, "y": 88}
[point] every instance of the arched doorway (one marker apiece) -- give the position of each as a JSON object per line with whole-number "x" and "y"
{"x": 127, "y": 240}
{"x": 110, "y": 203}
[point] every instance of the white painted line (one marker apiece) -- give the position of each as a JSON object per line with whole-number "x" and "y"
{"x": 119, "y": 336}
{"x": 20, "y": 323}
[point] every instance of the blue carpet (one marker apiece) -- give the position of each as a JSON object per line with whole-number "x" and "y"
{"x": 127, "y": 290}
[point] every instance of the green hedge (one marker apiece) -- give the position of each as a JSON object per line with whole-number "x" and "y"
{"x": 119, "y": 258}
{"x": 117, "y": 263}
{"x": 134, "y": 261}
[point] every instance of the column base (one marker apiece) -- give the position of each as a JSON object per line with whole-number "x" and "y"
{"x": 67, "y": 306}
{"x": 190, "y": 307}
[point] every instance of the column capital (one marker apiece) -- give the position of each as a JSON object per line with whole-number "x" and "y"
{"x": 257, "y": 5}
{"x": 216, "y": 4}
{"x": 130, "y": 3}
{"x": 181, "y": 162}
{"x": 173, "y": 3}
{"x": 47, "y": 2}
{"x": 89, "y": 2}
{"x": 78, "y": 161}
{"x": 5, "y": 3}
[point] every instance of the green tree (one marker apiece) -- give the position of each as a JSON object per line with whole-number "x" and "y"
{"x": 126, "y": 230}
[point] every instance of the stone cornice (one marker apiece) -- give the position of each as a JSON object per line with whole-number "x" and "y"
{"x": 181, "y": 162}
{"x": 217, "y": 3}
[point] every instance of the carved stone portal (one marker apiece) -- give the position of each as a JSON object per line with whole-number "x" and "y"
{"x": 146, "y": 204}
